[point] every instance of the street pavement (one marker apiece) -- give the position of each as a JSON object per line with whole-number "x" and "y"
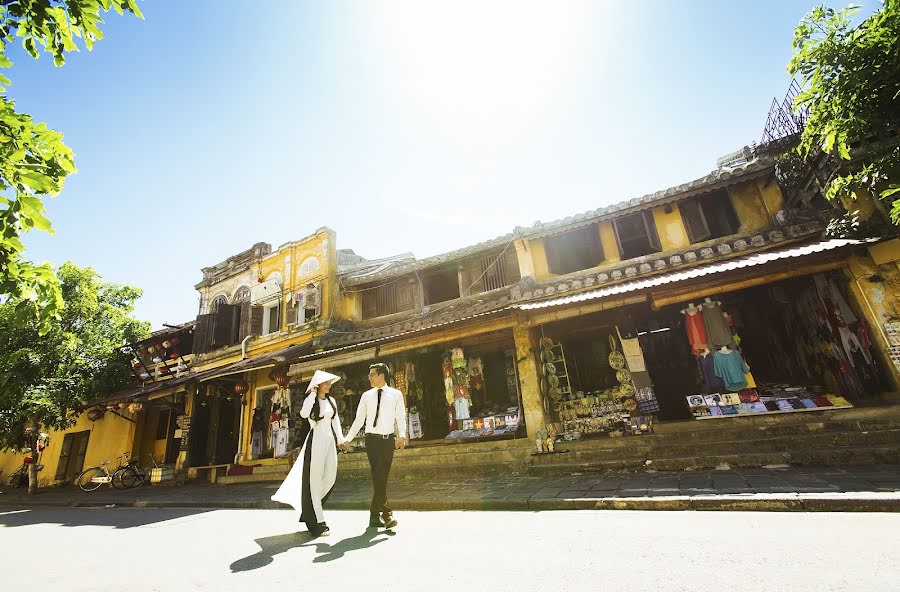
{"x": 136, "y": 550}
{"x": 851, "y": 488}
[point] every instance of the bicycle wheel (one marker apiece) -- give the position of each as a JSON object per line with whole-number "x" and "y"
{"x": 117, "y": 478}
{"x": 128, "y": 477}
{"x": 85, "y": 479}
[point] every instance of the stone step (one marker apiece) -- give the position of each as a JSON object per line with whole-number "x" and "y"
{"x": 253, "y": 478}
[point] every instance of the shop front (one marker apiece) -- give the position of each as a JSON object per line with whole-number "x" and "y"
{"x": 465, "y": 389}
{"x": 794, "y": 345}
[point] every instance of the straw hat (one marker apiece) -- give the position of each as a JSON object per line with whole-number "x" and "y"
{"x": 319, "y": 377}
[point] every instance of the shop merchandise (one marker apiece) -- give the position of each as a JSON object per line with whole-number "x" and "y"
{"x": 708, "y": 371}
{"x": 696, "y": 330}
{"x": 731, "y": 399}
{"x": 415, "y": 425}
{"x": 718, "y": 333}
{"x": 730, "y": 367}
{"x": 461, "y": 408}
{"x": 634, "y": 357}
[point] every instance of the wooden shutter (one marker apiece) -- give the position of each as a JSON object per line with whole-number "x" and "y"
{"x": 224, "y": 326}
{"x": 202, "y": 330}
{"x": 243, "y": 321}
{"x": 694, "y": 221}
{"x": 650, "y": 226}
{"x": 370, "y": 305}
{"x": 405, "y": 296}
{"x": 617, "y": 232}
{"x": 64, "y": 456}
{"x": 554, "y": 255}
{"x": 290, "y": 314}
{"x": 256, "y": 320}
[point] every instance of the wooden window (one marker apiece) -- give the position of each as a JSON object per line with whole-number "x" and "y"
{"x": 709, "y": 216}
{"x": 71, "y": 457}
{"x": 241, "y": 295}
{"x": 226, "y": 325}
{"x": 271, "y": 318}
{"x": 636, "y": 235}
{"x": 162, "y": 424}
{"x": 395, "y": 296}
{"x": 217, "y": 302}
{"x": 203, "y": 333}
{"x": 574, "y": 250}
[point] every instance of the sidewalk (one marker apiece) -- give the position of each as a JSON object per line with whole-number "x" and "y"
{"x": 855, "y": 488}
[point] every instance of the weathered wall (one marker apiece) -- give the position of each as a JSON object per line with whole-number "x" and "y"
{"x": 670, "y": 228}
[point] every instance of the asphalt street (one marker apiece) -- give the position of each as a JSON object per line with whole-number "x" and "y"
{"x": 80, "y": 549}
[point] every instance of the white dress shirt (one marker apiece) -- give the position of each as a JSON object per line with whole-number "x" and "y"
{"x": 391, "y": 413}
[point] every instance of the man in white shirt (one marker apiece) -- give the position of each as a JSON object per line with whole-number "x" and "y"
{"x": 380, "y": 409}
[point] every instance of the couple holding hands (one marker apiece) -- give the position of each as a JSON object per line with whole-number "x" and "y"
{"x": 312, "y": 477}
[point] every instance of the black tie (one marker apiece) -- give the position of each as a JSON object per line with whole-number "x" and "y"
{"x": 377, "y": 409}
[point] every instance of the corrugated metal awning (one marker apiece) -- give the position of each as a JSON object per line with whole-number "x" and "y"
{"x": 696, "y": 272}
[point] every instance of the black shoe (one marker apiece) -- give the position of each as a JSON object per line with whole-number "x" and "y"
{"x": 375, "y": 522}
{"x": 389, "y": 521}
{"x": 323, "y": 530}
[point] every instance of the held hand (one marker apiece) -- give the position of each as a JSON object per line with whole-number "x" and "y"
{"x": 401, "y": 443}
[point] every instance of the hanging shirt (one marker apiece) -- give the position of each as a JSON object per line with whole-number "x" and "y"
{"x": 631, "y": 348}
{"x": 415, "y": 426}
{"x": 461, "y": 408}
{"x": 713, "y": 382}
{"x": 696, "y": 331}
{"x": 852, "y": 345}
{"x": 717, "y": 332}
{"x": 391, "y": 412}
{"x": 731, "y": 369}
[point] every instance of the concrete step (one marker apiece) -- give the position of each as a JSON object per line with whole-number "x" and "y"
{"x": 253, "y": 478}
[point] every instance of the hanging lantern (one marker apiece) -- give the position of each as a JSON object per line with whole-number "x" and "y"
{"x": 163, "y": 369}
{"x": 175, "y": 340}
{"x": 173, "y": 356}
{"x": 144, "y": 376}
{"x": 137, "y": 365}
{"x": 166, "y": 344}
{"x": 281, "y": 379}
{"x": 241, "y": 388}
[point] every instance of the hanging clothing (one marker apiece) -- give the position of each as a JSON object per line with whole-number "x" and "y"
{"x": 712, "y": 381}
{"x": 717, "y": 332}
{"x": 851, "y": 345}
{"x": 461, "y": 408}
{"x": 842, "y": 305}
{"x": 731, "y": 369}
{"x": 256, "y": 444}
{"x": 312, "y": 477}
{"x": 634, "y": 357}
{"x": 696, "y": 331}
{"x": 415, "y": 425}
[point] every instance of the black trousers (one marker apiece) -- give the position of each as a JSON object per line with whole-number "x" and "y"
{"x": 381, "y": 454}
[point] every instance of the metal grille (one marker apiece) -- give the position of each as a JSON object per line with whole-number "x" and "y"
{"x": 782, "y": 120}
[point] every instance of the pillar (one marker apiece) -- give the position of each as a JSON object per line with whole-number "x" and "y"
{"x": 529, "y": 379}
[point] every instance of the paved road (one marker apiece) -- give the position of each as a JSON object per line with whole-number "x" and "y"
{"x": 158, "y": 549}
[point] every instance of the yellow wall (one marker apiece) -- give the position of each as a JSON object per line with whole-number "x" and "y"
{"x": 525, "y": 257}
{"x": 749, "y": 206}
{"x": 608, "y": 240}
{"x": 110, "y": 437}
{"x": 670, "y": 228}
{"x": 539, "y": 258}
{"x": 773, "y": 199}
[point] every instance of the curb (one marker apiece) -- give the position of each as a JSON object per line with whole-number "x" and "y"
{"x": 870, "y": 502}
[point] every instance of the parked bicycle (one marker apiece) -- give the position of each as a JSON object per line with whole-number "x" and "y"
{"x": 132, "y": 474}
{"x": 92, "y": 478}
{"x": 19, "y": 478}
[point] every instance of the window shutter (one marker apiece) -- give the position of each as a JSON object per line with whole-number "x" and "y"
{"x": 256, "y": 320}
{"x": 202, "y": 329}
{"x": 405, "y": 295}
{"x": 617, "y": 232}
{"x": 224, "y": 329}
{"x": 553, "y": 255}
{"x": 370, "y": 305}
{"x": 694, "y": 221}
{"x": 650, "y": 227}
{"x": 244, "y": 321}
{"x": 64, "y": 455}
{"x": 290, "y": 314}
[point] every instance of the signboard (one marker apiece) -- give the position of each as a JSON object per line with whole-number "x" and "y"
{"x": 183, "y": 425}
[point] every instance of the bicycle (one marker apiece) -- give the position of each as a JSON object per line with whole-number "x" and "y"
{"x": 132, "y": 474}
{"x": 92, "y": 478}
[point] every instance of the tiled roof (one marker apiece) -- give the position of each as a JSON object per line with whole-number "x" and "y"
{"x": 718, "y": 178}
{"x": 695, "y": 272}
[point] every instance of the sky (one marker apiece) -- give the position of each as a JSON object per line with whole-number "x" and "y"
{"x": 402, "y": 125}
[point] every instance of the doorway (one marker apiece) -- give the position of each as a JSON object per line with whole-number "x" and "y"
{"x": 71, "y": 458}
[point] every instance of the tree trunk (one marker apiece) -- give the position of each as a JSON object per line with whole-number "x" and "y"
{"x": 32, "y": 467}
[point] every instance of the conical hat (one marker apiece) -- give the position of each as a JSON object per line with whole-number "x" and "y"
{"x": 319, "y": 377}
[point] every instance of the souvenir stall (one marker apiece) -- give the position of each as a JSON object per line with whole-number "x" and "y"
{"x": 596, "y": 384}
{"x": 788, "y": 347}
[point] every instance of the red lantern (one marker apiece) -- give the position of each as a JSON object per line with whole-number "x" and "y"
{"x": 173, "y": 356}
{"x": 280, "y": 378}
{"x": 241, "y": 387}
{"x": 164, "y": 370}
{"x": 176, "y": 340}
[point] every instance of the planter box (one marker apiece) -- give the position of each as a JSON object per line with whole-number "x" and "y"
{"x": 162, "y": 474}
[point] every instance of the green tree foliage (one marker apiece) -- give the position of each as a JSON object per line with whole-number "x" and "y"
{"x": 44, "y": 378}
{"x": 34, "y": 161}
{"x": 851, "y": 87}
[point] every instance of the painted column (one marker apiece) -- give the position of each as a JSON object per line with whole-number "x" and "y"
{"x": 529, "y": 380}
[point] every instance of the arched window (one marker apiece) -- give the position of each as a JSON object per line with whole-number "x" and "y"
{"x": 242, "y": 295}
{"x": 309, "y": 265}
{"x": 276, "y": 277}
{"x": 216, "y": 302}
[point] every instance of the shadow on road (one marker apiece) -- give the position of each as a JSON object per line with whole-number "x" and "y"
{"x": 271, "y": 546}
{"x": 113, "y": 517}
{"x": 328, "y": 552}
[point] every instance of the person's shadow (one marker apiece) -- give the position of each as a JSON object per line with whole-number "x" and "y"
{"x": 328, "y": 552}
{"x": 271, "y": 546}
